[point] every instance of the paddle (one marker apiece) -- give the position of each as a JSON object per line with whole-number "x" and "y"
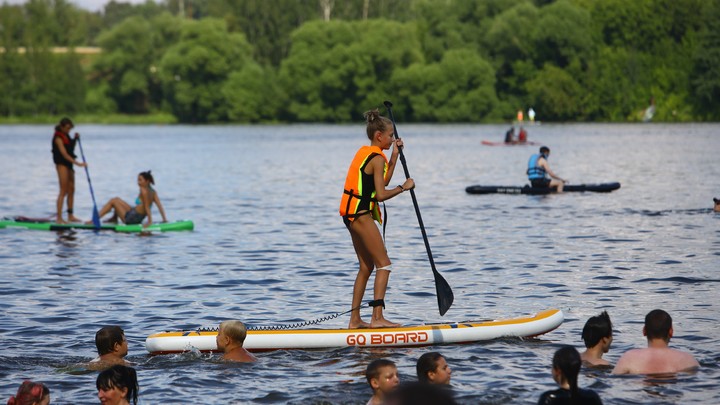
{"x": 95, "y": 215}
{"x": 443, "y": 291}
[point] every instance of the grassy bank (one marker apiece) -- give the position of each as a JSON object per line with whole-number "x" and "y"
{"x": 79, "y": 119}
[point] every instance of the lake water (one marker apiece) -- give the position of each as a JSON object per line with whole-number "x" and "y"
{"x": 269, "y": 248}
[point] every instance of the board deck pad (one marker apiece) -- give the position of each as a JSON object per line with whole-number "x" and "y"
{"x": 43, "y": 224}
{"x": 203, "y": 340}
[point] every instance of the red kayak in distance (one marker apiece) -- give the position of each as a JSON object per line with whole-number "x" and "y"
{"x": 490, "y": 143}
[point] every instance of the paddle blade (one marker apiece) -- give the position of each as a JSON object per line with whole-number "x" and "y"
{"x": 96, "y": 218}
{"x": 444, "y": 293}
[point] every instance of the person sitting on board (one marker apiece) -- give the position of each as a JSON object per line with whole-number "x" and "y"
{"x": 112, "y": 347}
{"x": 432, "y": 368}
{"x": 382, "y": 375}
{"x": 658, "y": 357}
{"x": 716, "y": 208}
{"x": 31, "y": 393}
{"x": 143, "y": 204}
{"x": 510, "y": 135}
{"x": 118, "y": 385}
{"x": 369, "y": 173}
{"x": 539, "y": 170}
{"x": 230, "y": 338}
{"x": 63, "y": 152}
{"x": 522, "y": 135}
{"x": 598, "y": 336}
{"x": 565, "y": 369}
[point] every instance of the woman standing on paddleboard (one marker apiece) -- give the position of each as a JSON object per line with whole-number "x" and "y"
{"x": 369, "y": 173}
{"x": 63, "y": 151}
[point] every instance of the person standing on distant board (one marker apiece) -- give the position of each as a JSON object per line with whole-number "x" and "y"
{"x": 520, "y": 115}
{"x": 531, "y": 114}
{"x": 539, "y": 170}
{"x": 63, "y": 152}
{"x": 369, "y": 173}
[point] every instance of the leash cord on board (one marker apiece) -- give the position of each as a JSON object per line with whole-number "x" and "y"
{"x": 298, "y": 325}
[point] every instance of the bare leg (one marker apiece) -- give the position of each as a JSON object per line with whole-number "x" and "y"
{"x": 71, "y": 198}
{"x": 118, "y": 205}
{"x": 372, "y": 254}
{"x": 557, "y": 183}
{"x": 63, "y": 180}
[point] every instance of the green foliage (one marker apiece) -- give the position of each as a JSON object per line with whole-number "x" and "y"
{"x": 336, "y": 70}
{"x": 458, "y": 88}
{"x": 193, "y": 70}
{"x": 128, "y": 63}
{"x": 705, "y": 74}
{"x": 556, "y": 93}
{"x": 253, "y": 95}
{"x": 441, "y": 60}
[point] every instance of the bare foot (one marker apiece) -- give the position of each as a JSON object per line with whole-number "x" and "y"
{"x": 359, "y": 325}
{"x": 383, "y": 323}
{"x": 73, "y": 218}
{"x": 60, "y": 221}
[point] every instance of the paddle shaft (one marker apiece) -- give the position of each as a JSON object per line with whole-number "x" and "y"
{"x": 444, "y": 293}
{"x": 96, "y": 216}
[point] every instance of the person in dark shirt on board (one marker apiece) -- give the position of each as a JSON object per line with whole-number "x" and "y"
{"x": 598, "y": 336}
{"x": 658, "y": 357}
{"x": 565, "y": 369}
{"x": 539, "y": 172}
{"x": 510, "y": 135}
{"x": 63, "y": 152}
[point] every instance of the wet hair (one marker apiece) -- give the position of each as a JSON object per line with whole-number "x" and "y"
{"x": 373, "y": 369}
{"x": 147, "y": 176}
{"x": 418, "y": 393}
{"x": 119, "y": 376}
{"x": 425, "y": 364}
{"x": 107, "y": 337}
{"x": 29, "y": 393}
{"x": 235, "y": 330}
{"x": 658, "y": 324}
{"x": 63, "y": 122}
{"x": 376, "y": 122}
{"x": 596, "y": 328}
{"x": 567, "y": 361}
{"x": 544, "y": 150}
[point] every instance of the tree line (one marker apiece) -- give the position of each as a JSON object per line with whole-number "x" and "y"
{"x": 329, "y": 60}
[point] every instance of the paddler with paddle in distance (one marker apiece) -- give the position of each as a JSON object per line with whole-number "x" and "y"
{"x": 369, "y": 174}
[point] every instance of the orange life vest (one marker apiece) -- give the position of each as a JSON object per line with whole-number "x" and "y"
{"x": 359, "y": 192}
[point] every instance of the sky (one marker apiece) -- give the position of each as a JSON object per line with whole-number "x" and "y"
{"x": 92, "y": 5}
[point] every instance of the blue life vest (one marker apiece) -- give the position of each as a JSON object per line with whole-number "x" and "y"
{"x": 534, "y": 171}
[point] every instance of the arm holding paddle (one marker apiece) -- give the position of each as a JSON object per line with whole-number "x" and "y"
{"x": 65, "y": 154}
{"x": 381, "y": 182}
